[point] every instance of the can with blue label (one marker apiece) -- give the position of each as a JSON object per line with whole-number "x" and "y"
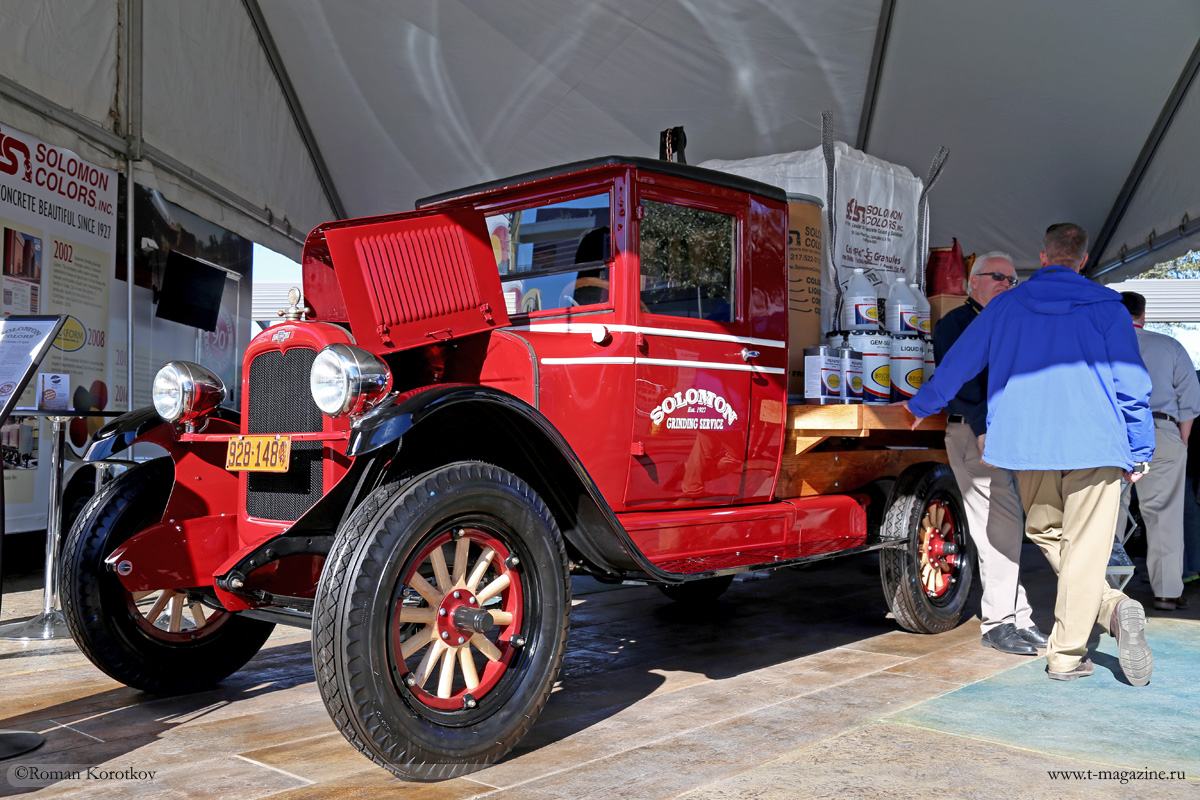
{"x": 906, "y": 365}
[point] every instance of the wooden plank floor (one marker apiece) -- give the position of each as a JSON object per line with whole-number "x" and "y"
{"x": 782, "y": 685}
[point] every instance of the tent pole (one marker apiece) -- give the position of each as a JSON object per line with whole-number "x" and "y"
{"x": 133, "y": 129}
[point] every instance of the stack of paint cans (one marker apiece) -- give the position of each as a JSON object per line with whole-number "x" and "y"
{"x": 890, "y": 366}
{"x": 876, "y": 367}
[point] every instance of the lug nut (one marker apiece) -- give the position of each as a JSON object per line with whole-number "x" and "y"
{"x": 468, "y": 701}
{"x": 461, "y": 640}
{"x": 441, "y": 612}
{"x": 445, "y": 635}
{"x": 511, "y": 561}
{"x": 519, "y": 641}
{"x": 457, "y": 595}
{"x": 471, "y": 600}
{"x": 410, "y": 680}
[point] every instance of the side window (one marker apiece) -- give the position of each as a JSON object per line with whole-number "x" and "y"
{"x": 553, "y": 256}
{"x": 687, "y": 258}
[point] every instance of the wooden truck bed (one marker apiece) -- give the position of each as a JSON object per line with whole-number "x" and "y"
{"x": 838, "y": 448}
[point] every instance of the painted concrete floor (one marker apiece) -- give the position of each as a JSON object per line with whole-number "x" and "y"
{"x": 797, "y": 685}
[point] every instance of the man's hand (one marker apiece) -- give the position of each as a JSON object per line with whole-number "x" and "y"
{"x": 916, "y": 420}
{"x": 1134, "y": 477}
{"x": 979, "y": 440}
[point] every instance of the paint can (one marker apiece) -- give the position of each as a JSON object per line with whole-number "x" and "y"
{"x": 851, "y": 365}
{"x": 907, "y": 365}
{"x": 876, "y": 349}
{"x": 822, "y": 376}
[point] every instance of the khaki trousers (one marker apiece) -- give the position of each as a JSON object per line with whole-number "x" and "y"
{"x": 993, "y": 507}
{"x": 1071, "y": 516}
{"x": 1160, "y": 496}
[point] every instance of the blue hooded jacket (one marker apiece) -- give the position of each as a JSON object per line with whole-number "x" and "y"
{"x": 1067, "y": 388}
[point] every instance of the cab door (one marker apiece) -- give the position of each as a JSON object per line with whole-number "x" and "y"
{"x": 694, "y": 364}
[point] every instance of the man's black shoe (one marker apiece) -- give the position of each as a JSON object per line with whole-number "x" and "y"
{"x": 1034, "y": 636}
{"x": 1007, "y": 639}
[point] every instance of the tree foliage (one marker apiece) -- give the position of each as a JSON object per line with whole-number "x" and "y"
{"x": 1186, "y": 266}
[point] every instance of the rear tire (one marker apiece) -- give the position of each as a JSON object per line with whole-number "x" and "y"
{"x": 466, "y": 538}
{"x": 927, "y": 581}
{"x": 164, "y": 641}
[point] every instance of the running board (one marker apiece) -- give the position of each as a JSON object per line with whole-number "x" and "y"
{"x": 699, "y": 568}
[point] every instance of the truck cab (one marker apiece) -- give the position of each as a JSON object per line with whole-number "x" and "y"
{"x": 579, "y": 369}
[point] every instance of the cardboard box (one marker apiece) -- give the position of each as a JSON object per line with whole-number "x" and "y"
{"x": 942, "y": 304}
{"x": 804, "y": 284}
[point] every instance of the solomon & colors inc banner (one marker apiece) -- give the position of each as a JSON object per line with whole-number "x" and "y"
{"x": 58, "y": 220}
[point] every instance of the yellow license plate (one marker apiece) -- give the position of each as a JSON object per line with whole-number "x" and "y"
{"x": 258, "y": 454}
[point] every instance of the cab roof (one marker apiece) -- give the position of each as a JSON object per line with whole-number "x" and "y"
{"x": 715, "y": 177}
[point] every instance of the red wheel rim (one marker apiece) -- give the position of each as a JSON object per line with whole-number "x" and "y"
{"x": 442, "y": 665}
{"x": 940, "y": 548}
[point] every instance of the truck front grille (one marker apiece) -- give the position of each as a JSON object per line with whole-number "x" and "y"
{"x": 278, "y": 401}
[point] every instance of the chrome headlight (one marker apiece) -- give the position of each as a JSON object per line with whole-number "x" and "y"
{"x": 347, "y": 380}
{"x": 183, "y": 391}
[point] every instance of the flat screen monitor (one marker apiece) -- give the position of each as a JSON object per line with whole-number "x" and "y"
{"x": 191, "y": 292}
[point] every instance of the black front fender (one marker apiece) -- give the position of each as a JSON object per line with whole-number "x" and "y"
{"x": 126, "y": 429}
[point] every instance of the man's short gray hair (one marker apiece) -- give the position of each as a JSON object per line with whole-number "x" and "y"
{"x": 982, "y": 260}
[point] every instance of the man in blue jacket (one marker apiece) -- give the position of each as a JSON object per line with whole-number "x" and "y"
{"x": 1069, "y": 412}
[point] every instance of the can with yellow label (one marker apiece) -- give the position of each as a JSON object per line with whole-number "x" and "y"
{"x": 875, "y": 347}
{"x": 822, "y": 376}
{"x": 907, "y": 365}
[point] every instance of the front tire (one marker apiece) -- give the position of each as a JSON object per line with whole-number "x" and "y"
{"x": 409, "y": 679}
{"x": 163, "y": 641}
{"x": 927, "y": 581}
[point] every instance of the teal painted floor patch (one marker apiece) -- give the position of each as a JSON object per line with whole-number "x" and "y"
{"x": 1101, "y": 718}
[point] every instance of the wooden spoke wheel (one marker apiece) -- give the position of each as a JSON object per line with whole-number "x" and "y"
{"x": 441, "y": 619}
{"x": 172, "y": 615}
{"x": 927, "y": 576}
{"x": 161, "y": 641}
{"x": 438, "y": 630}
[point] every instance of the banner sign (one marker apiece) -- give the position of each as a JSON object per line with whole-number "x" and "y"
{"x": 58, "y": 220}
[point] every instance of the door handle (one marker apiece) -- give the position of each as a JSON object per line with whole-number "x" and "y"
{"x": 748, "y": 354}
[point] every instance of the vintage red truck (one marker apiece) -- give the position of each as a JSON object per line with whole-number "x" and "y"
{"x": 582, "y": 369}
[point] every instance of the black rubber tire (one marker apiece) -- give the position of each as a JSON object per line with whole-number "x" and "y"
{"x": 701, "y": 592}
{"x": 900, "y": 568}
{"x": 95, "y": 603}
{"x": 352, "y": 654}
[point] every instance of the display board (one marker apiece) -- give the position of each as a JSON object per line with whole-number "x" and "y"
{"x": 58, "y": 238}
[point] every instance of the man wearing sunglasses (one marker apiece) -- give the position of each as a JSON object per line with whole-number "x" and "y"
{"x": 1069, "y": 413}
{"x": 990, "y": 495}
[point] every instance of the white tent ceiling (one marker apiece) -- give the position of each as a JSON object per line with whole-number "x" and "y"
{"x": 271, "y": 116}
